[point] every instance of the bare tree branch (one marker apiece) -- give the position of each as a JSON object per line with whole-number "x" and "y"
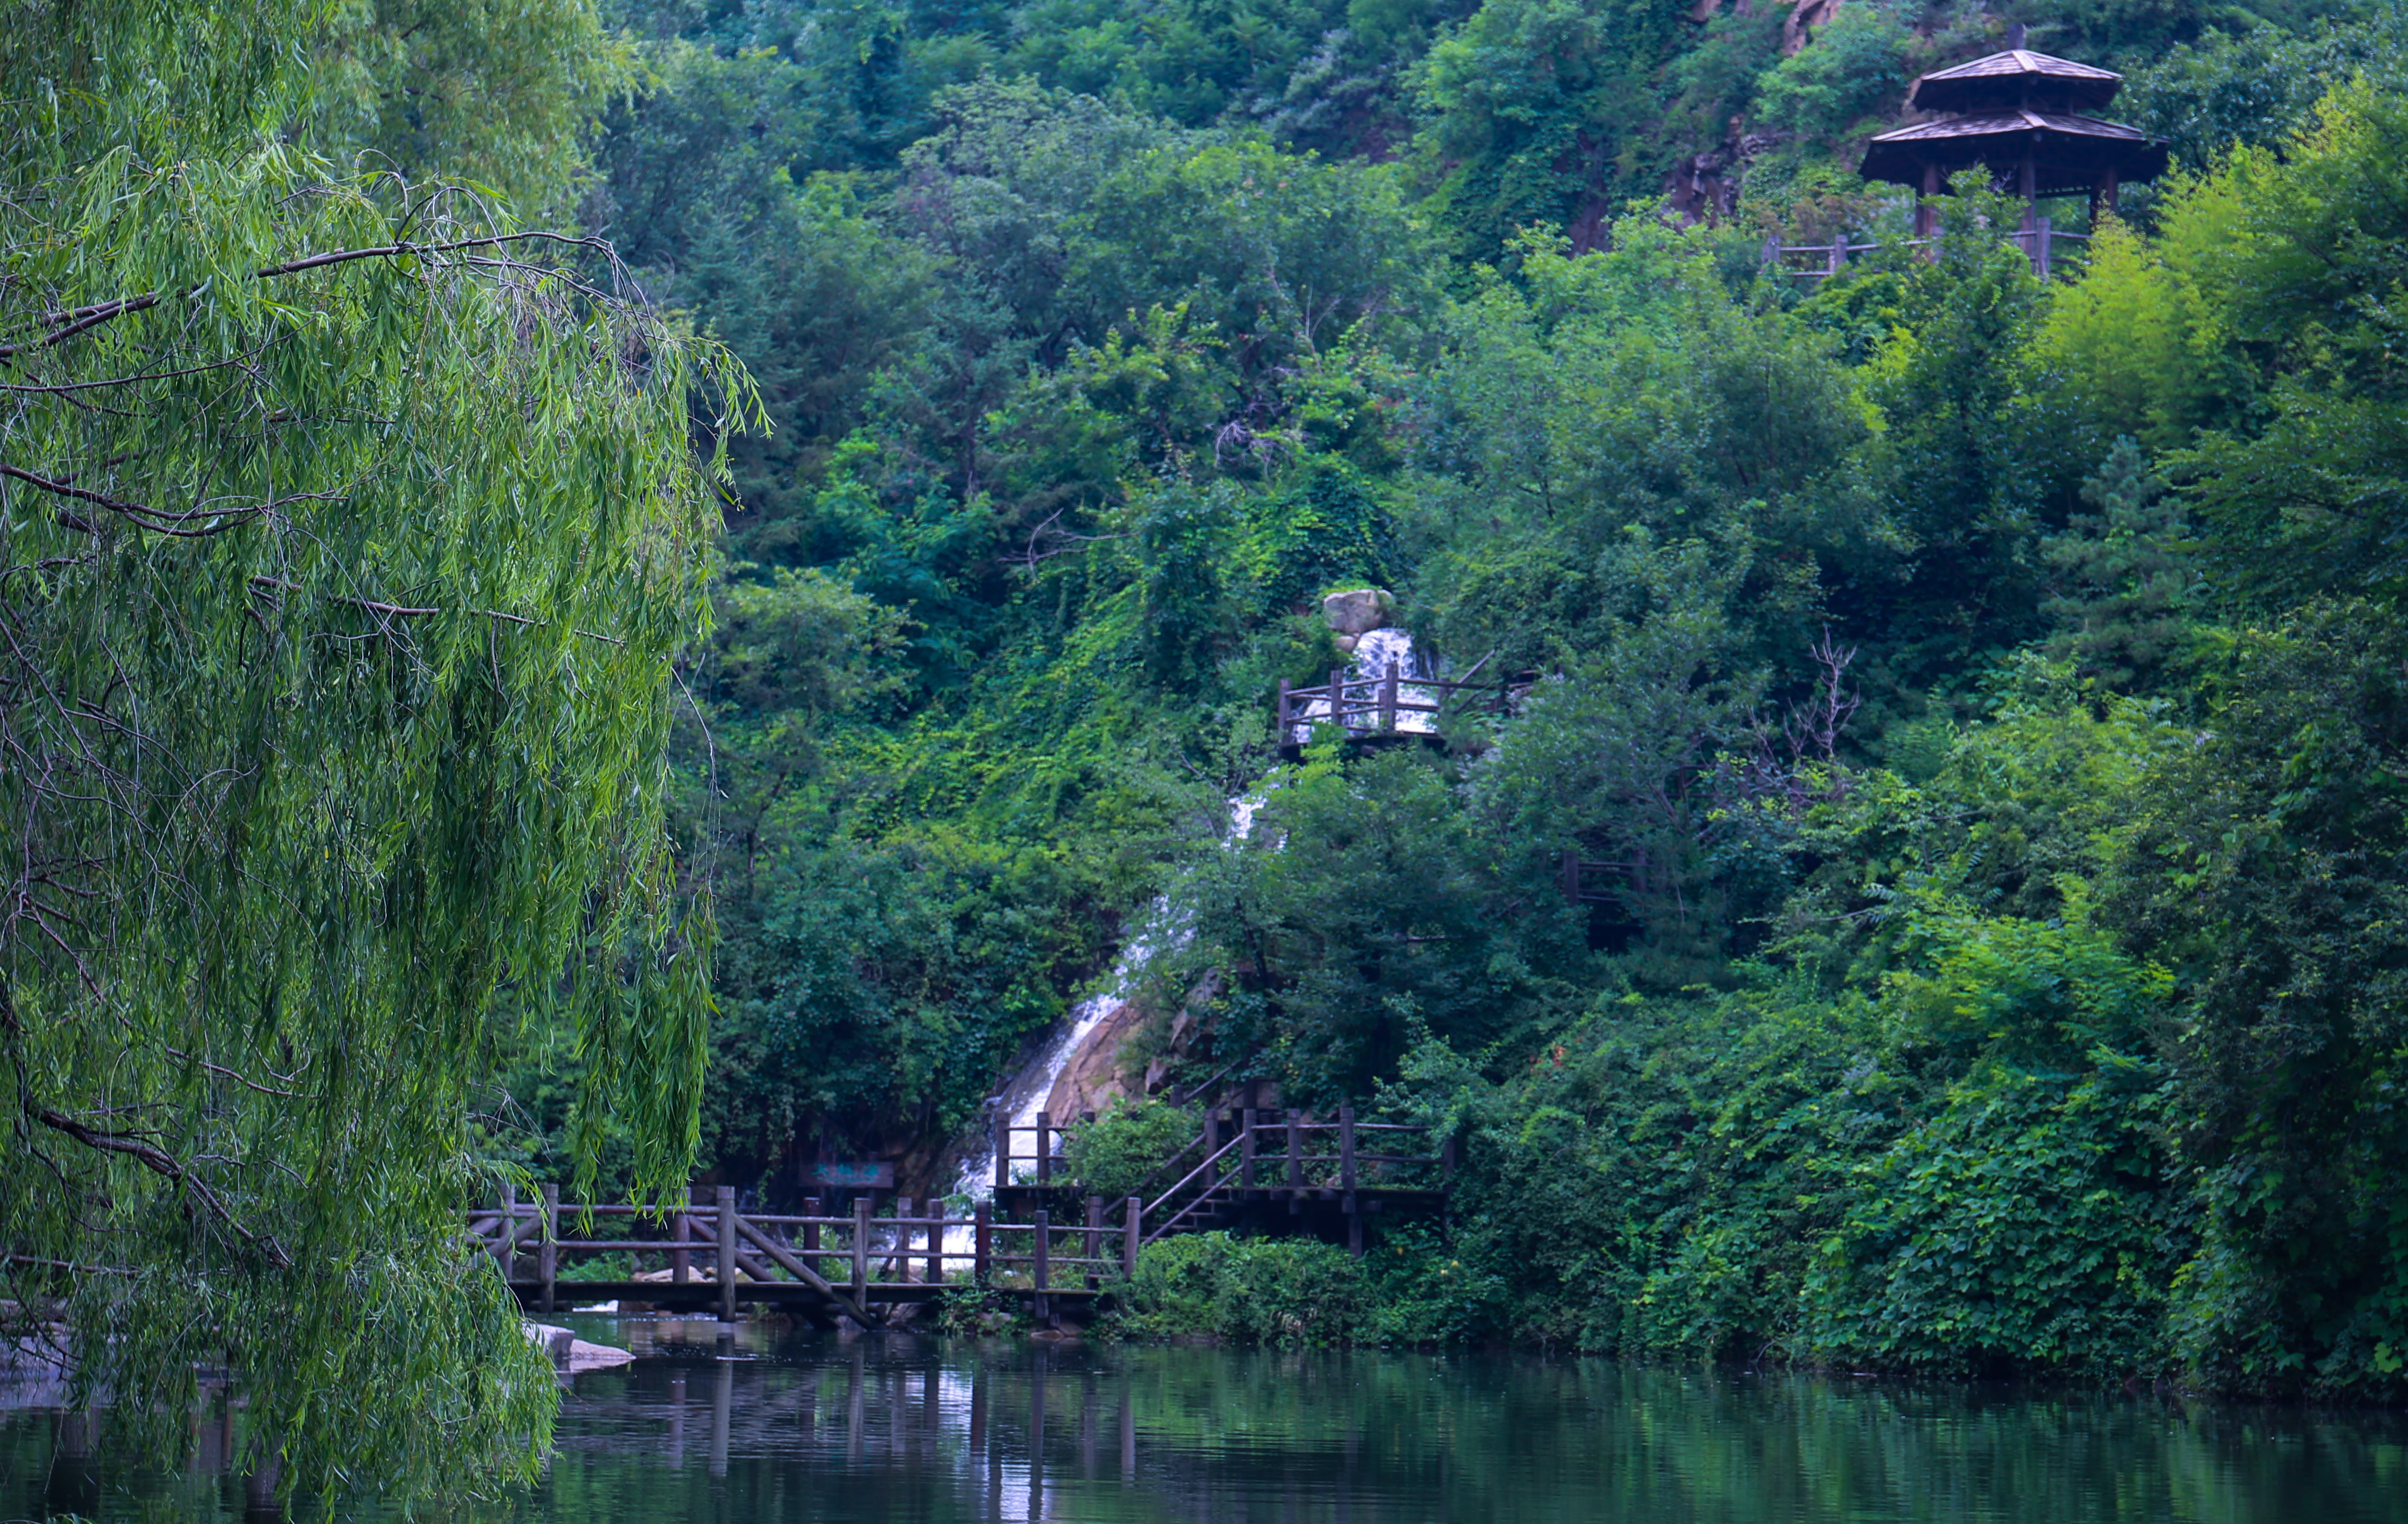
{"x": 160, "y": 1163}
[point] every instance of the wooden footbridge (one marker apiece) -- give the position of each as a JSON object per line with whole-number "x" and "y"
{"x": 860, "y": 1266}
{"x": 1041, "y": 1243}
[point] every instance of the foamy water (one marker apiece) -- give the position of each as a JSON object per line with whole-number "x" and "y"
{"x": 1029, "y": 1090}
{"x": 1374, "y": 654}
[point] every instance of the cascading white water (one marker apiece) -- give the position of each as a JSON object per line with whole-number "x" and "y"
{"x": 1029, "y": 1090}
{"x": 1027, "y": 1094}
{"x": 1375, "y": 651}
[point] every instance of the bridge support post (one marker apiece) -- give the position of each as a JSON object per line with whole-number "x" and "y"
{"x": 937, "y": 1241}
{"x": 724, "y": 1209}
{"x": 547, "y": 1253}
{"x": 1294, "y": 1149}
{"x": 902, "y": 1238}
{"x": 681, "y": 1231}
{"x": 981, "y": 1244}
{"x": 1002, "y": 1150}
{"x": 1044, "y": 1148}
{"x": 860, "y": 1246}
{"x": 1246, "y": 1149}
{"x": 1094, "y": 1233}
{"x": 1388, "y": 699}
{"x": 1279, "y": 730}
{"x": 1346, "y": 1179}
{"x": 1346, "y": 1151}
{"x": 1132, "y": 1235}
{"x": 810, "y": 1231}
{"x": 1043, "y": 1256}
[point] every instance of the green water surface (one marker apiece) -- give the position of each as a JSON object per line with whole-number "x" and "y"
{"x": 811, "y": 1428}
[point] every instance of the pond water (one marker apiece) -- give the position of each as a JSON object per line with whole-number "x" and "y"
{"x": 809, "y": 1428}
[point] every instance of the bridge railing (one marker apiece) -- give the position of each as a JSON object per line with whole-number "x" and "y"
{"x": 1243, "y": 1150}
{"x": 853, "y": 1262}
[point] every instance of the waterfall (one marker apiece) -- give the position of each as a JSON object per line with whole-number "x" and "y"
{"x": 1027, "y": 1091}
{"x": 1026, "y": 1095}
{"x": 1374, "y": 651}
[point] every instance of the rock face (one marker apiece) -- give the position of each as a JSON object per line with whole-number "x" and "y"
{"x": 1359, "y": 610}
{"x": 1091, "y": 1079}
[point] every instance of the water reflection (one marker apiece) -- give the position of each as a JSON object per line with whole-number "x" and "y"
{"x": 825, "y": 1427}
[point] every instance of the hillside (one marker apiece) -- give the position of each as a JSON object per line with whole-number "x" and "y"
{"x": 1987, "y": 691}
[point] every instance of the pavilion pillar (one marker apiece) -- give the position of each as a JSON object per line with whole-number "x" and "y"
{"x": 2028, "y": 179}
{"x": 2103, "y": 197}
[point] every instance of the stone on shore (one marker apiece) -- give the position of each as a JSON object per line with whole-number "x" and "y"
{"x": 571, "y": 1353}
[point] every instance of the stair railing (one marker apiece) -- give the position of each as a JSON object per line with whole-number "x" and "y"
{"x": 1159, "y": 1229}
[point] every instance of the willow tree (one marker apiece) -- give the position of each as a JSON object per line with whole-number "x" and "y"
{"x": 347, "y": 538}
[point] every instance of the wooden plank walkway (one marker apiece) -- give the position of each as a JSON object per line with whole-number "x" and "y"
{"x": 1039, "y": 1242}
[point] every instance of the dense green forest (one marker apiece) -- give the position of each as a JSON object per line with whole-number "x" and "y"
{"x": 1998, "y": 683}
{"x": 1990, "y": 690}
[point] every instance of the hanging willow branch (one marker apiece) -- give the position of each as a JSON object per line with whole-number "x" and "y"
{"x": 300, "y": 825}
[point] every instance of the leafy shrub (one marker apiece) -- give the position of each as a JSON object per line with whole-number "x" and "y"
{"x": 1287, "y": 1292}
{"x": 1117, "y": 1153}
{"x": 618, "y": 1265}
{"x": 2025, "y": 1227}
{"x": 1853, "y": 70}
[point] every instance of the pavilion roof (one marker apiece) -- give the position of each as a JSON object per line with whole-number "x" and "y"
{"x": 2014, "y": 78}
{"x": 2066, "y": 148}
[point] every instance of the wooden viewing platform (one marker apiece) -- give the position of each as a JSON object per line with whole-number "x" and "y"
{"x": 1038, "y": 1243}
{"x": 1368, "y": 709}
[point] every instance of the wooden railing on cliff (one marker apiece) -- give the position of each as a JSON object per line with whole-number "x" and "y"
{"x": 2051, "y": 250}
{"x": 1369, "y": 706}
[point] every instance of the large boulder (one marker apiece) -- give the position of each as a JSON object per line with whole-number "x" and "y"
{"x": 570, "y": 1353}
{"x": 1358, "y": 611}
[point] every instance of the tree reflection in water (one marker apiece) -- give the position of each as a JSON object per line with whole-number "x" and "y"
{"x": 814, "y": 1428}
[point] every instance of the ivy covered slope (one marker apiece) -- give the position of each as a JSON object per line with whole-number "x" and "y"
{"x": 1990, "y": 683}
{"x": 349, "y": 537}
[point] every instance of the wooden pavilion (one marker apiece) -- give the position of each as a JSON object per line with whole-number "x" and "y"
{"x": 2022, "y": 116}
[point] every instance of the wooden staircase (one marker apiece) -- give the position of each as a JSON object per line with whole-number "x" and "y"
{"x": 1259, "y": 1170}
